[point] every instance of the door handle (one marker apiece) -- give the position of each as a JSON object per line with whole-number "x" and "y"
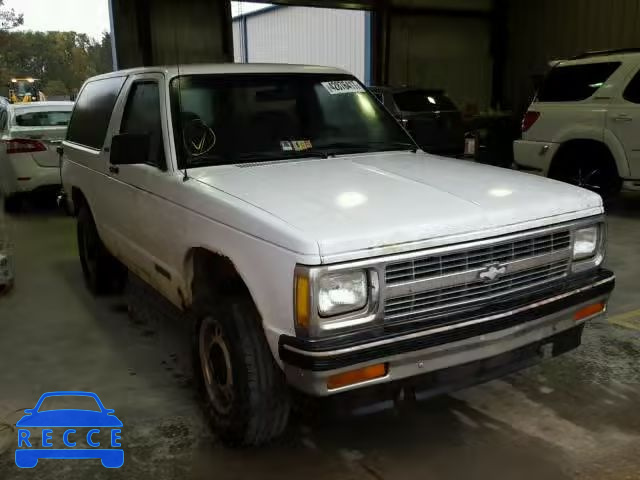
{"x": 114, "y": 169}
{"x": 623, "y": 118}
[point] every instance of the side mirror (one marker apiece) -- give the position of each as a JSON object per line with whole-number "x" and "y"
{"x": 130, "y": 148}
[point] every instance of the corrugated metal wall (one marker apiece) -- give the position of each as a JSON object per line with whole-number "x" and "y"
{"x": 450, "y": 53}
{"x": 238, "y": 41}
{"x": 543, "y": 30}
{"x": 317, "y": 36}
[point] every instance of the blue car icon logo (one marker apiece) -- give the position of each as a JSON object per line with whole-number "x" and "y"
{"x": 100, "y": 422}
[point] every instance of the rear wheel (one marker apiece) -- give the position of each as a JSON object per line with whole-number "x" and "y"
{"x": 590, "y": 168}
{"x": 245, "y": 394}
{"x": 103, "y": 273}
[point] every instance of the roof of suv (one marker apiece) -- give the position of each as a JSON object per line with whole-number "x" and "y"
{"x": 597, "y": 57}
{"x": 225, "y": 68}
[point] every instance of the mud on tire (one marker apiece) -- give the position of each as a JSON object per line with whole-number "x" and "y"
{"x": 244, "y": 392}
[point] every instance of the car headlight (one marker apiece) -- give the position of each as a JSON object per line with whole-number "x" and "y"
{"x": 341, "y": 292}
{"x": 330, "y": 300}
{"x": 585, "y": 242}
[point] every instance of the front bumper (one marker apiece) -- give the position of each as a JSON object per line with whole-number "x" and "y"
{"x": 510, "y": 325}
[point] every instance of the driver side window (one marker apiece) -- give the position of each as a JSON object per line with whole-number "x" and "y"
{"x": 142, "y": 116}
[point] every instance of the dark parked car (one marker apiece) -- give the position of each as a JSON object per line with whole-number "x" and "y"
{"x": 429, "y": 115}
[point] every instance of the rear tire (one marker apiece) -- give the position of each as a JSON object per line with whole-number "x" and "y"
{"x": 591, "y": 168}
{"x": 244, "y": 392}
{"x": 103, "y": 273}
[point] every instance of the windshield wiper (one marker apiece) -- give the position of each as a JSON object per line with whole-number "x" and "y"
{"x": 335, "y": 147}
{"x": 397, "y": 146}
{"x": 265, "y": 156}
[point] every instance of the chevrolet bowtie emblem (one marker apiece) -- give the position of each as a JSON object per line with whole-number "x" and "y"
{"x": 492, "y": 272}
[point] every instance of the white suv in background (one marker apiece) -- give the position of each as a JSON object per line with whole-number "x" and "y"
{"x": 583, "y": 126}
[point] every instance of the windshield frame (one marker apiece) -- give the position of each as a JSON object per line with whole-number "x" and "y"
{"x": 175, "y": 107}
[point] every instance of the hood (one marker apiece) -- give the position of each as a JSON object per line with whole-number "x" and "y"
{"x": 362, "y": 202}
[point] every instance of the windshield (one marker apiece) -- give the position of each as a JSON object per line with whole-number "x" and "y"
{"x": 43, "y": 119}
{"x": 222, "y": 119}
{"x": 423, "y": 101}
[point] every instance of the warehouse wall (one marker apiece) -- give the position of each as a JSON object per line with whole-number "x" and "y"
{"x": 156, "y": 32}
{"x": 543, "y": 30}
{"x": 305, "y": 35}
{"x": 438, "y": 51}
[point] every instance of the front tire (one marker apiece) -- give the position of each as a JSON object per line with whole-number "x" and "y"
{"x": 102, "y": 272}
{"x": 245, "y": 393}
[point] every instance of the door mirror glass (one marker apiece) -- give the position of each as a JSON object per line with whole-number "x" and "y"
{"x": 130, "y": 148}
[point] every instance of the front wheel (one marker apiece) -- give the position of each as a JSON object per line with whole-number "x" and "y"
{"x": 245, "y": 394}
{"x": 102, "y": 272}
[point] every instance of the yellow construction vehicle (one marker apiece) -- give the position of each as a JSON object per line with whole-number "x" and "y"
{"x": 25, "y": 90}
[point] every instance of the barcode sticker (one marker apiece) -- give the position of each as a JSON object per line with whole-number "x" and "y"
{"x": 343, "y": 86}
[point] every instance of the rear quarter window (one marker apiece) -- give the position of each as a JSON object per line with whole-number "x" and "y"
{"x": 43, "y": 119}
{"x": 575, "y": 82}
{"x": 92, "y": 112}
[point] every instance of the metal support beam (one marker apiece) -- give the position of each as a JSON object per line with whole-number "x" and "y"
{"x": 440, "y": 12}
{"x": 499, "y": 39}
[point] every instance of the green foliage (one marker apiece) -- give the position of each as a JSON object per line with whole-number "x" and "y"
{"x": 9, "y": 18}
{"x": 55, "y": 88}
{"x": 61, "y": 59}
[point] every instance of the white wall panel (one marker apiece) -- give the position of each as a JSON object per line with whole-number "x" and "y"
{"x": 315, "y": 36}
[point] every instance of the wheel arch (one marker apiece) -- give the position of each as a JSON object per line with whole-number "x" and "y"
{"x": 78, "y": 199}
{"x": 617, "y": 151}
{"x": 204, "y": 267}
{"x": 582, "y": 144}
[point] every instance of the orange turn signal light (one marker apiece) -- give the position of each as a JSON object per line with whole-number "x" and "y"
{"x": 588, "y": 311}
{"x": 357, "y": 376}
{"x": 302, "y": 301}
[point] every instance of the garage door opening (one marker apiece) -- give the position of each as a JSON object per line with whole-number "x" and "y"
{"x": 265, "y": 33}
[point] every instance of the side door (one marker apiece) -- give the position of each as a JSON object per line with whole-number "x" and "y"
{"x": 137, "y": 188}
{"x": 623, "y": 120}
{"x": 85, "y": 158}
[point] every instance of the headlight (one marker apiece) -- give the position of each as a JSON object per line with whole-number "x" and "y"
{"x": 341, "y": 292}
{"x": 585, "y": 243}
{"x": 332, "y": 300}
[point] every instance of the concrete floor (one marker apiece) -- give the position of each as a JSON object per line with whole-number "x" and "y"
{"x": 573, "y": 417}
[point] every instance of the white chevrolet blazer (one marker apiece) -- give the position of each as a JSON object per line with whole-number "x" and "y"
{"x": 315, "y": 249}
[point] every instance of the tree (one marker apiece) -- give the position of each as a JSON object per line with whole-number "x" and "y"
{"x": 9, "y": 18}
{"x": 54, "y": 88}
{"x": 65, "y": 58}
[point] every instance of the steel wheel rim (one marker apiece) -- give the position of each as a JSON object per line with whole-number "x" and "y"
{"x": 215, "y": 361}
{"x": 584, "y": 178}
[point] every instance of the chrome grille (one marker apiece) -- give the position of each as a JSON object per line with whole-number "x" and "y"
{"x": 439, "y": 265}
{"x": 432, "y": 302}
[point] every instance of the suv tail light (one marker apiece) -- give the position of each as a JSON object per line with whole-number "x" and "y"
{"x": 24, "y": 145}
{"x": 529, "y": 119}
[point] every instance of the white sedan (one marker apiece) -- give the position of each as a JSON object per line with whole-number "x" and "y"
{"x": 29, "y": 135}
